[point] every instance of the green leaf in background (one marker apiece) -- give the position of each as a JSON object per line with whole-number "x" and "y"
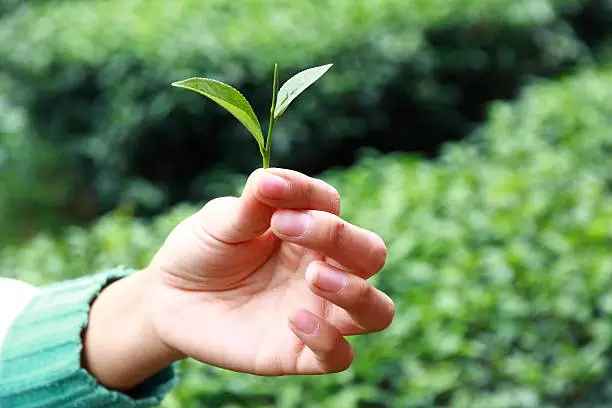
{"x": 296, "y": 85}
{"x": 229, "y": 98}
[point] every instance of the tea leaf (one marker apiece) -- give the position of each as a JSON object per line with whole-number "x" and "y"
{"x": 296, "y": 85}
{"x": 229, "y": 98}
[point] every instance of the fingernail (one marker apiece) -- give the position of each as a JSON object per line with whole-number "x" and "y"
{"x": 272, "y": 186}
{"x": 326, "y": 279}
{"x": 305, "y": 322}
{"x": 292, "y": 223}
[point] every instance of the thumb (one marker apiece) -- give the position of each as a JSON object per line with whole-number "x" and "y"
{"x": 234, "y": 220}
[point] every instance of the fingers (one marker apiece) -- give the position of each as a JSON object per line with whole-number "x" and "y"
{"x": 281, "y": 188}
{"x": 234, "y": 220}
{"x": 328, "y": 351}
{"x": 362, "y": 307}
{"x": 357, "y": 249}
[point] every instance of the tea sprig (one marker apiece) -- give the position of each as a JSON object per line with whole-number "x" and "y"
{"x": 236, "y": 104}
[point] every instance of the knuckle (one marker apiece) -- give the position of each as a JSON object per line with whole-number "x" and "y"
{"x": 308, "y": 190}
{"x": 336, "y": 232}
{"x": 328, "y": 347}
{"x": 363, "y": 298}
{"x": 196, "y": 226}
{"x": 200, "y": 220}
{"x": 221, "y": 219}
{"x": 213, "y": 205}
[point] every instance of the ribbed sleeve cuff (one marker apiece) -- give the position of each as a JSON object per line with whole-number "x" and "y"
{"x": 40, "y": 359}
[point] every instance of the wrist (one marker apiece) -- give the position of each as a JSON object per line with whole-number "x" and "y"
{"x": 121, "y": 347}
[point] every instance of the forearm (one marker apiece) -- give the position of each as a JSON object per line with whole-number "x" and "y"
{"x": 121, "y": 348}
{"x": 42, "y": 358}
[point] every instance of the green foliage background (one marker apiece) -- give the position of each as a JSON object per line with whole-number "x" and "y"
{"x": 91, "y": 80}
{"x": 500, "y": 246}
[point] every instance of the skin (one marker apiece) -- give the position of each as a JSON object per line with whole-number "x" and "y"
{"x": 269, "y": 283}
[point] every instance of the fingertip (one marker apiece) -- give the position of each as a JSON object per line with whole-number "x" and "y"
{"x": 328, "y": 350}
{"x": 291, "y": 223}
{"x": 311, "y": 273}
{"x": 305, "y": 322}
{"x": 271, "y": 186}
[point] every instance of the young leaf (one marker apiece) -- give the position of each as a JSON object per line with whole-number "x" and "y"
{"x": 230, "y": 99}
{"x": 296, "y": 85}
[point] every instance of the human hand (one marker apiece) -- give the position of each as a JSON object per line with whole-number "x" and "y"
{"x": 268, "y": 283}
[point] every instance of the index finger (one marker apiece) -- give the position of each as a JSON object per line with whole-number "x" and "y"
{"x": 355, "y": 248}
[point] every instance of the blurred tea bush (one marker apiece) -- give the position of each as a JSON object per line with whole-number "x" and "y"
{"x": 89, "y": 81}
{"x": 499, "y": 262}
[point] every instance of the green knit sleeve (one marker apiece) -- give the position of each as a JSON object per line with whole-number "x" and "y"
{"x": 40, "y": 359}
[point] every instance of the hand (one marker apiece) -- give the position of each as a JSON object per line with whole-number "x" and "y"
{"x": 268, "y": 283}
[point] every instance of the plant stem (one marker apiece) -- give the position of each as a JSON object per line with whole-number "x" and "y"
{"x": 268, "y": 149}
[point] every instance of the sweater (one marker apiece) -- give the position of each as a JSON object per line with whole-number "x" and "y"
{"x": 40, "y": 357}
